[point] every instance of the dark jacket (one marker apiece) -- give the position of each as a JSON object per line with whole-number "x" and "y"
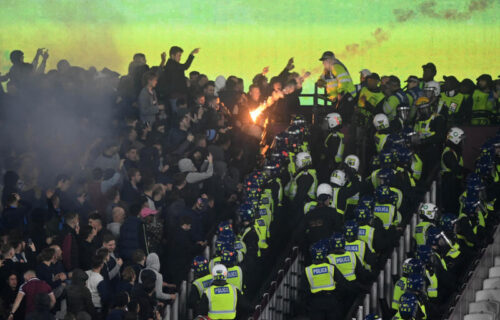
{"x": 69, "y": 246}
{"x": 129, "y": 194}
{"x": 78, "y": 295}
{"x": 132, "y": 237}
{"x": 172, "y": 81}
{"x": 321, "y": 223}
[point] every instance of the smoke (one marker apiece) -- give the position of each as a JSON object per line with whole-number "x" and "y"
{"x": 377, "y": 37}
{"x": 426, "y": 8}
{"x": 429, "y": 9}
{"x": 403, "y": 15}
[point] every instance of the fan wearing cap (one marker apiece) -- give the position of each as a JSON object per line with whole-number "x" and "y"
{"x": 394, "y": 98}
{"x": 336, "y": 78}
{"x": 483, "y": 101}
{"x": 453, "y": 103}
{"x": 223, "y": 300}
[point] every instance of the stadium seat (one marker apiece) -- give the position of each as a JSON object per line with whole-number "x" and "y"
{"x": 479, "y": 316}
{"x": 485, "y": 306}
{"x": 488, "y": 294}
{"x": 491, "y": 283}
{"x": 494, "y": 272}
{"x": 497, "y": 261}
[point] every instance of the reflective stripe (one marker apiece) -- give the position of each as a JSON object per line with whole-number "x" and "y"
{"x": 222, "y": 301}
{"x": 320, "y": 277}
{"x": 343, "y": 75}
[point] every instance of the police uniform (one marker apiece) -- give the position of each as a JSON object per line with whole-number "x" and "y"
{"x": 452, "y": 168}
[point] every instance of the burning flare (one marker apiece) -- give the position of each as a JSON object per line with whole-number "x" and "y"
{"x": 256, "y": 112}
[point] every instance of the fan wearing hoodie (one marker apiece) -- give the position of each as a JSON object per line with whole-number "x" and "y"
{"x": 193, "y": 175}
{"x": 153, "y": 264}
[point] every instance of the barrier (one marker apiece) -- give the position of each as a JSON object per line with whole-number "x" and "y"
{"x": 276, "y": 304}
{"x": 392, "y": 269}
{"x": 475, "y": 279}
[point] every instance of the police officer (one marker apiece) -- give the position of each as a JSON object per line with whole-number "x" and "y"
{"x": 413, "y": 92}
{"x": 303, "y": 185}
{"x": 234, "y": 273}
{"x": 483, "y": 101}
{"x": 431, "y": 130}
{"x": 323, "y": 220}
{"x": 349, "y": 266}
{"x": 371, "y": 230}
{"x": 333, "y": 143}
{"x": 385, "y": 208}
{"x": 381, "y": 124}
{"x": 410, "y": 266}
{"x": 395, "y": 98}
{"x": 469, "y": 230}
{"x": 409, "y": 308}
{"x": 222, "y": 300}
{"x": 369, "y": 102}
{"x": 366, "y": 256}
{"x": 428, "y": 213}
{"x": 338, "y": 82}
{"x": 455, "y": 256}
{"x": 325, "y": 284}
{"x": 352, "y": 163}
{"x": 250, "y": 238}
{"x": 202, "y": 281}
{"x": 453, "y": 103}
{"x": 452, "y": 169}
{"x": 345, "y": 185}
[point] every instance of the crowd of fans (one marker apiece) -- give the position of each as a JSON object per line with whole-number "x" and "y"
{"x": 113, "y": 185}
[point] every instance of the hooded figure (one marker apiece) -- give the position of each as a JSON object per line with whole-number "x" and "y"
{"x": 153, "y": 264}
{"x": 193, "y": 176}
{"x": 78, "y": 296}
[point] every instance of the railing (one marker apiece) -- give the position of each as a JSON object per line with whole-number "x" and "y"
{"x": 475, "y": 279}
{"x": 277, "y": 302}
{"x": 382, "y": 289}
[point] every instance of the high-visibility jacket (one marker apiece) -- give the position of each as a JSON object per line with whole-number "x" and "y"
{"x": 388, "y": 214}
{"x": 399, "y": 290}
{"x": 373, "y": 98}
{"x": 222, "y": 301}
{"x": 279, "y": 200}
{"x": 246, "y": 231}
{"x": 423, "y": 127}
{"x": 241, "y": 248}
{"x": 416, "y": 167}
{"x": 359, "y": 248}
{"x": 262, "y": 230}
{"x": 338, "y": 81}
{"x": 265, "y": 214}
{"x": 421, "y": 232}
{"x": 444, "y": 168}
{"x": 266, "y": 199}
{"x": 365, "y": 234}
{"x": 432, "y": 289}
{"x": 309, "y": 206}
{"x": 380, "y": 139}
{"x": 340, "y": 150}
{"x": 312, "y": 189}
{"x": 345, "y": 263}
{"x": 203, "y": 283}
{"x": 235, "y": 277}
{"x": 453, "y": 103}
{"x": 392, "y": 103}
{"x": 454, "y": 251}
{"x": 335, "y": 200}
{"x": 320, "y": 277}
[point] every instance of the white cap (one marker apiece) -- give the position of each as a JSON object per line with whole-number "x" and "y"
{"x": 219, "y": 270}
{"x": 365, "y": 72}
